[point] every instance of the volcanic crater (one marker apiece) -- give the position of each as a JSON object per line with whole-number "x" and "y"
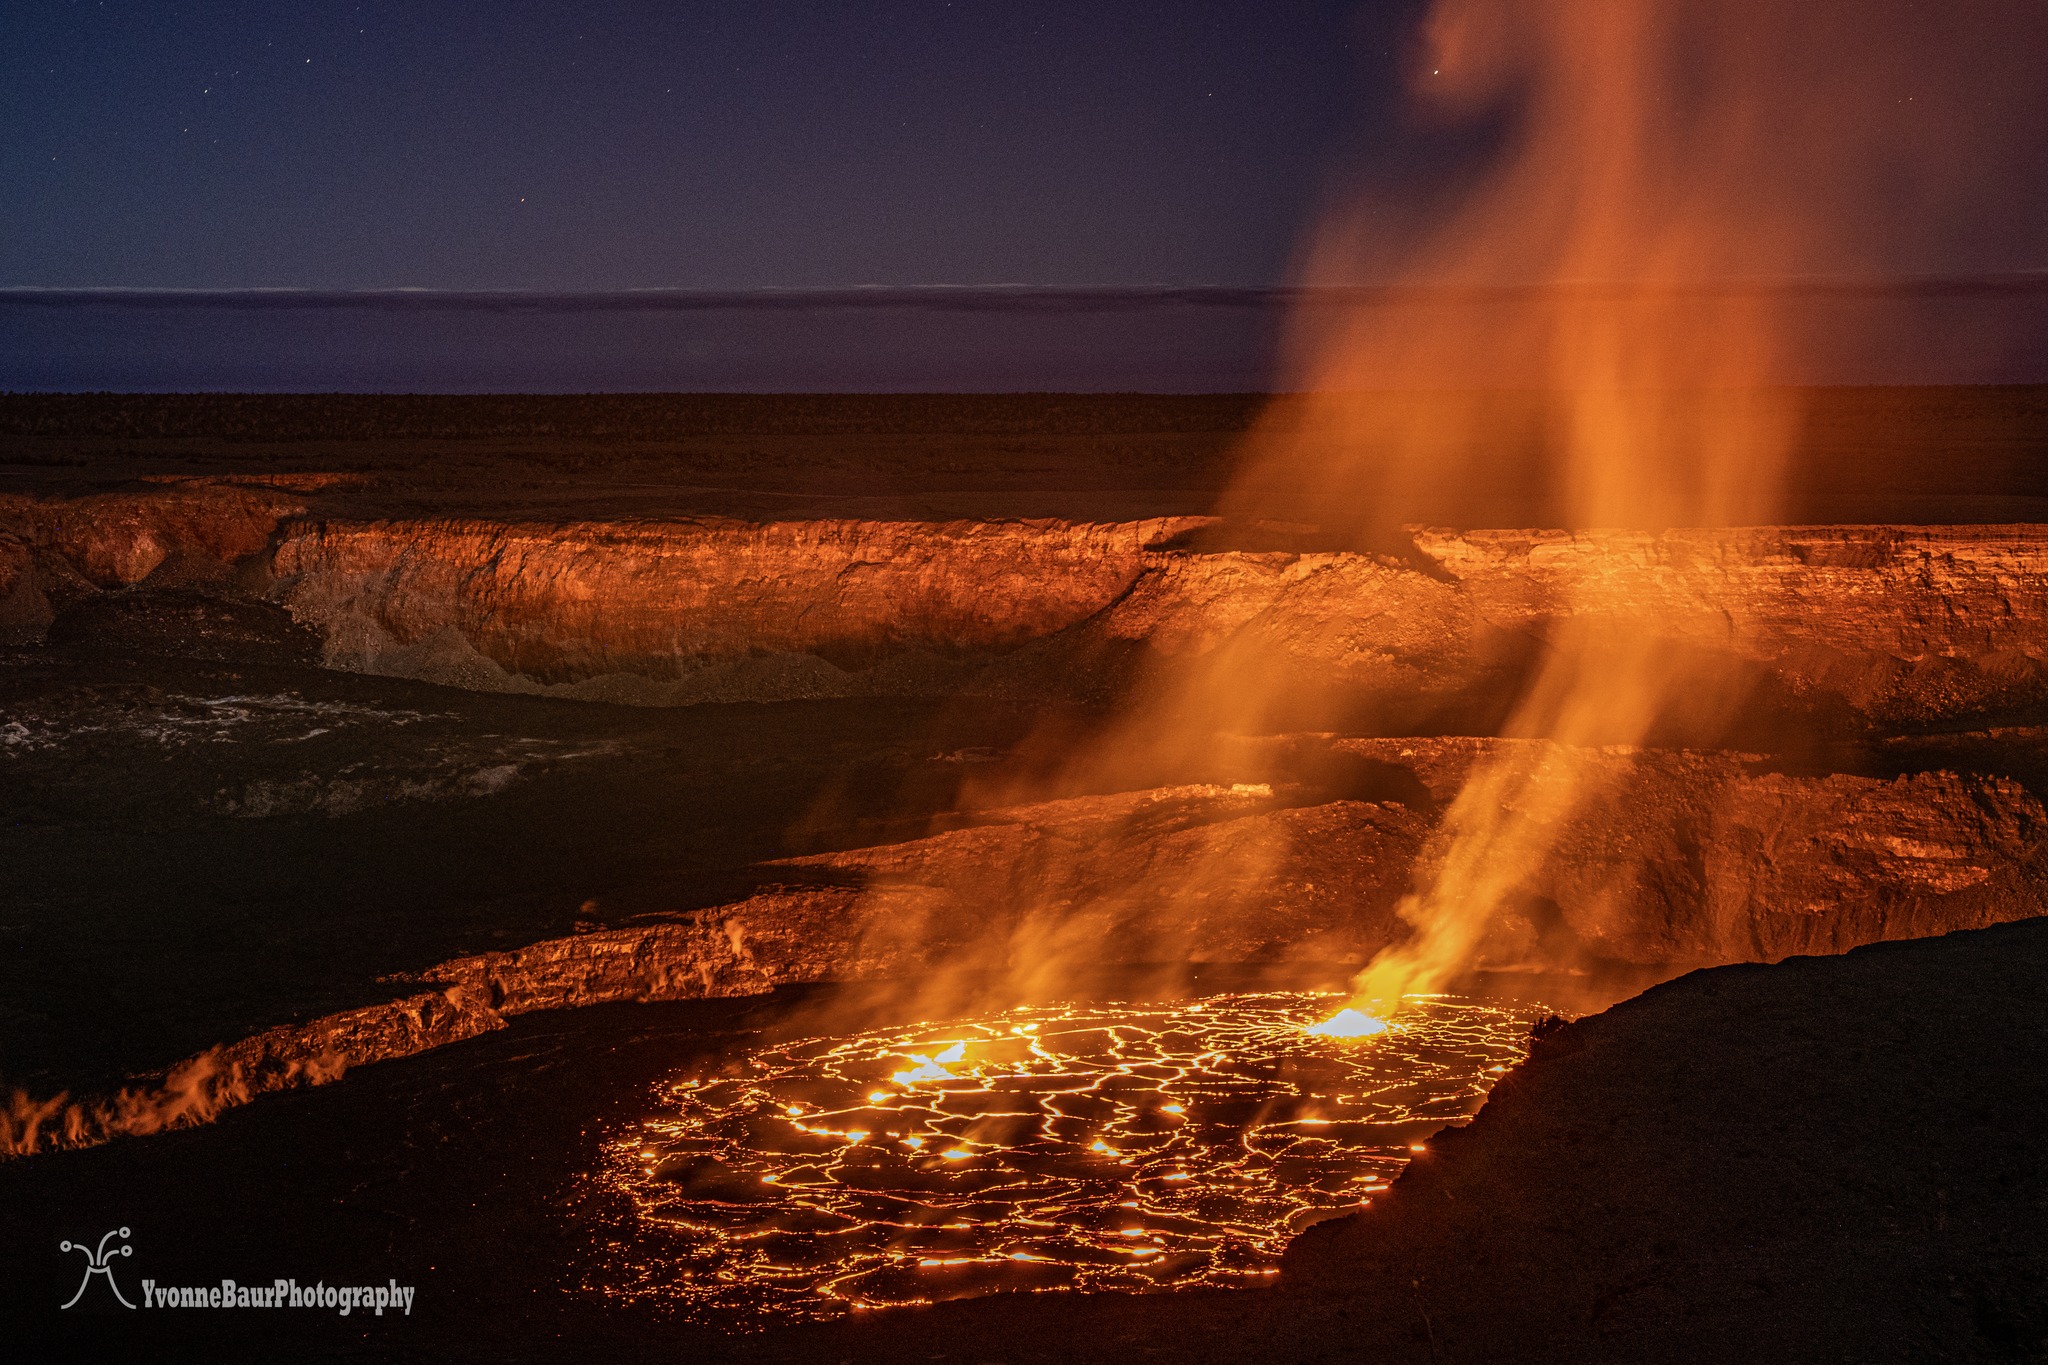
{"x": 326, "y": 753}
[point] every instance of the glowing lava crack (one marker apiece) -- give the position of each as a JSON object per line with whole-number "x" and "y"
{"x": 1102, "y": 1146}
{"x": 1348, "y": 1023}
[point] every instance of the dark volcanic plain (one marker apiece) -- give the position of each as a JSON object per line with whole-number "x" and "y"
{"x": 502, "y": 757}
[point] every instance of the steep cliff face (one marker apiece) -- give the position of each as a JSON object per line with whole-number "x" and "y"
{"x": 1892, "y": 626}
{"x": 678, "y": 612}
{"x": 1712, "y": 857}
{"x": 55, "y": 552}
{"x": 1907, "y": 624}
{"x": 1899, "y": 626}
{"x": 24, "y": 610}
{"x": 113, "y": 540}
{"x": 690, "y": 611}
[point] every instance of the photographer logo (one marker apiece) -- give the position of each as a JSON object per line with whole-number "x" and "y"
{"x": 99, "y": 1261}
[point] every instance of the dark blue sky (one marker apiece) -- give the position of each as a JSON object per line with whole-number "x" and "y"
{"x": 587, "y": 146}
{"x": 523, "y": 145}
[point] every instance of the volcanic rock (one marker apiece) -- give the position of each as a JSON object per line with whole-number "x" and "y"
{"x": 1908, "y": 625}
{"x": 1858, "y": 625}
{"x": 676, "y": 612}
{"x": 1894, "y": 625}
{"x": 115, "y": 539}
{"x": 62, "y": 552}
{"x": 181, "y": 622}
{"x": 1710, "y": 857}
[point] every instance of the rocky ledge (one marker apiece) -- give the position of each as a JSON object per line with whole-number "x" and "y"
{"x": 1848, "y": 625}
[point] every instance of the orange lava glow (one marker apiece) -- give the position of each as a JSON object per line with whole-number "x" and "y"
{"x": 1101, "y": 1146}
{"x": 1348, "y": 1023}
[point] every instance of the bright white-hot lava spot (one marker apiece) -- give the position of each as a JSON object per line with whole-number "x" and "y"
{"x": 1098, "y": 1146}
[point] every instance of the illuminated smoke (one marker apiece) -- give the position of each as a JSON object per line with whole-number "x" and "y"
{"x": 1592, "y": 326}
{"x": 1656, "y": 159}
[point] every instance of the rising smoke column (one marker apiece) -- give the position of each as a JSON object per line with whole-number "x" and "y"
{"x": 1651, "y": 157}
{"x": 1587, "y": 317}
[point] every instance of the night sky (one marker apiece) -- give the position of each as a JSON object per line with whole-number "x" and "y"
{"x": 591, "y": 146}
{"x": 742, "y": 146}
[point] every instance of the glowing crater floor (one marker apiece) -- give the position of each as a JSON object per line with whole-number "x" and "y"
{"x": 1099, "y": 1147}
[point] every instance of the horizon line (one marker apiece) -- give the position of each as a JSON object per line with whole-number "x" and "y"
{"x": 988, "y": 297}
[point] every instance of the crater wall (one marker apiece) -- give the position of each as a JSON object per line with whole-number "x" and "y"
{"x": 1882, "y": 625}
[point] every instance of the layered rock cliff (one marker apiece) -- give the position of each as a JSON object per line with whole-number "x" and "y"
{"x": 1896, "y": 626}
{"x": 688, "y": 611}
{"x": 58, "y": 551}
{"x": 1908, "y": 625}
{"x": 1886, "y": 626}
